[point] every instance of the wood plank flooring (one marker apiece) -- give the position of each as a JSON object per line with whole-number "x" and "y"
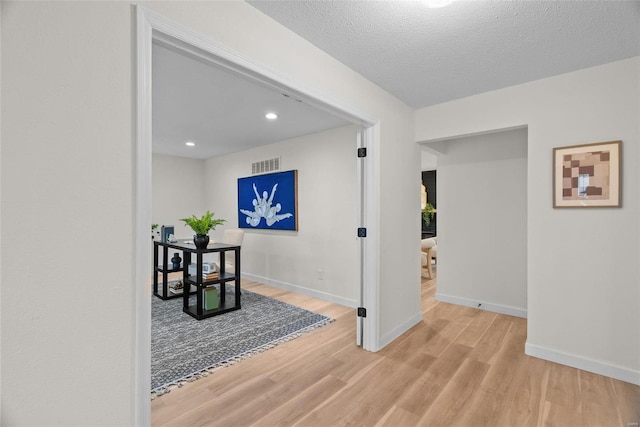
{"x": 459, "y": 367}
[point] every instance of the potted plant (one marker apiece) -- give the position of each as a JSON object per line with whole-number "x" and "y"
{"x": 427, "y": 213}
{"x": 202, "y": 226}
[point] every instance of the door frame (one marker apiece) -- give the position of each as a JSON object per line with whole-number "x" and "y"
{"x": 152, "y": 26}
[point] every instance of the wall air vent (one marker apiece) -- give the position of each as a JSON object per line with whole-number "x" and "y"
{"x": 264, "y": 166}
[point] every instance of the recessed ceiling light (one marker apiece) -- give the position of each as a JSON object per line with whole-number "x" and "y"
{"x": 271, "y": 116}
{"x": 190, "y": 144}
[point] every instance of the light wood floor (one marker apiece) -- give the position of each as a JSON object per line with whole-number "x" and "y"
{"x": 459, "y": 367}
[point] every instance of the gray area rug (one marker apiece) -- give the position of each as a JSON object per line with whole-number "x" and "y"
{"x": 184, "y": 349}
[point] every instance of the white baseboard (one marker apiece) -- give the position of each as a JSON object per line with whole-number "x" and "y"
{"x": 399, "y": 330}
{"x": 301, "y": 290}
{"x": 483, "y": 305}
{"x": 579, "y": 362}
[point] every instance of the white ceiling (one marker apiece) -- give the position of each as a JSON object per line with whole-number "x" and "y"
{"x": 220, "y": 112}
{"x": 427, "y": 56}
{"x": 423, "y": 56}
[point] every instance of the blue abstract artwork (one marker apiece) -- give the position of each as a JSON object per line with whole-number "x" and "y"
{"x": 269, "y": 201}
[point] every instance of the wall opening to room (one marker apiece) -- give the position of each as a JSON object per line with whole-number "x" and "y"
{"x": 482, "y": 220}
{"x": 429, "y": 206}
{"x": 221, "y": 115}
{"x": 152, "y": 28}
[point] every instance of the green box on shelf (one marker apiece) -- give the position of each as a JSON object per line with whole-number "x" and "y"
{"x": 211, "y": 301}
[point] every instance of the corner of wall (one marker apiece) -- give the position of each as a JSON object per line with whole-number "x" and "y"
{"x": 396, "y": 332}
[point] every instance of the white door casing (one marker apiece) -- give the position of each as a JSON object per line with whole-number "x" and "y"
{"x": 152, "y": 26}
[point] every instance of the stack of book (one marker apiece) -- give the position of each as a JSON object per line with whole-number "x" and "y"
{"x": 210, "y": 276}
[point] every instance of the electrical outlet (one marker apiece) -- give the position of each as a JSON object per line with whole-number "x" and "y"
{"x": 320, "y": 275}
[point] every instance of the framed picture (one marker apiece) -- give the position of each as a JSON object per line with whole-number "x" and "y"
{"x": 167, "y": 230}
{"x": 587, "y": 176}
{"x": 269, "y": 201}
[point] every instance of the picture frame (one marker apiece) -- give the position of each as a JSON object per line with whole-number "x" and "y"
{"x": 167, "y": 230}
{"x": 269, "y": 201}
{"x": 587, "y": 175}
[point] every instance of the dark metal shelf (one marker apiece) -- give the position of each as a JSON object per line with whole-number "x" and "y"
{"x": 197, "y": 310}
{"x": 161, "y": 269}
{"x": 226, "y": 277}
{"x": 171, "y": 295}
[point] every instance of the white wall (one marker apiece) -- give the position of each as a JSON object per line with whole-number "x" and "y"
{"x": 327, "y": 206}
{"x": 429, "y": 161}
{"x": 68, "y": 325}
{"x": 482, "y": 222}
{"x": 320, "y": 259}
{"x": 583, "y": 296}
{"x": 68, "y": 103}
{"x": 0, "y": 223}
{"x": 399, "y": 222}
{"x": 178, "y": 192}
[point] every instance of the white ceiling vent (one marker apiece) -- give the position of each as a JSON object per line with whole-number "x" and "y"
{"x": 264, "y": 166}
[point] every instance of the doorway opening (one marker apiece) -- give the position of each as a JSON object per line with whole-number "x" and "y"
{"x": 151, "y": 28}
{"x": 482, "y": 220}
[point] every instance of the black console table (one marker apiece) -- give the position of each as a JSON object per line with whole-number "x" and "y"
{"x": 189, "y": 250}
{"x": 198, "y": 311}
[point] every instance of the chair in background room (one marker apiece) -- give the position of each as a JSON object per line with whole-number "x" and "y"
{"x": 429, "y": 249}
{"x": 232, "y": 236}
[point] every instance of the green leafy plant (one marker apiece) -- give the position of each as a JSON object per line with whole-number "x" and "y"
{"x": 202, "y": 226}
{"x": 427, "y": 213}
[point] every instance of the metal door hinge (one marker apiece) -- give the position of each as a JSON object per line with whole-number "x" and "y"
{"x": 362, "y": 152}
{"x": 362, "y": 312}
{"x": 362, "y": 232}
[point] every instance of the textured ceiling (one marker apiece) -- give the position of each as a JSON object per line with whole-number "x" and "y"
{"x": 423, "y": 56}
{"x": 427, "y": 56}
